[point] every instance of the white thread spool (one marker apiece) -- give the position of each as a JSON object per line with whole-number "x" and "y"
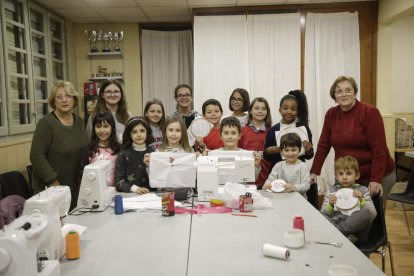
{"x": 275, "y": 251}
{"x": 294, "y": 238}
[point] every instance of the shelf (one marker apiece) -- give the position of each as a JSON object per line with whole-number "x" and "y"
{"x": 112, "y": 61}
{"x": 107, "y": 78}
{"x": 404, "y": 149}
{"x": 105, "y": 54}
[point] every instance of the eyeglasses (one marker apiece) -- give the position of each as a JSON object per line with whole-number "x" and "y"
{"x": 340, "y": 92}
{"x": 236, "y": 100}
{"x": 62, "y": 97}
{"x": 180, "y": 96}
{"x": 112, "y": 92}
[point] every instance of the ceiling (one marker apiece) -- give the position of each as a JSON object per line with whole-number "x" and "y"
{"x": 145, "y": 11}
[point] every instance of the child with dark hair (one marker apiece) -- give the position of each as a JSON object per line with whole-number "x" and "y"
{"x": 294, "y": 111}
{"x": 293, "y": 171}
{"x": 111, "y": 97}
{"x": 131, "y": 173}
{"x": 103, "y": 144}
{"x": 183, "y": 94}
{"x": 213, "y": 112}
{"x": 230, "y": 132}
{"x": 239, "y": 103}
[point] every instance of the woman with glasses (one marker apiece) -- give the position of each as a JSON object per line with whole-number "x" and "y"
{"x": 58, "y": 141}
{"x": 111, "y": 98}
{"x": 239, "y": 103}
{"x": 356, "y": 129}
{"x": 183, "y": 95}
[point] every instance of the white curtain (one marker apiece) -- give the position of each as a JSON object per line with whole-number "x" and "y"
{"x": 331, "y": 50}
{"x": 167, "y": 60}
{"x": 220, "y": 58}
{"x": 260, "y": 53}
{"x": 274, "y": 57}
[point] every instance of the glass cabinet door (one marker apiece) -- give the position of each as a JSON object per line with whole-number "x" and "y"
{"x": 40, "y": 59}
{"x": 57, "y": 48}
{"x": 32, "y": 49}
{"x": 18, "y": 64}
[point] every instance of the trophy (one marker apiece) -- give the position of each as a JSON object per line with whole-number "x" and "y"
{"x": 118, "y": 37}
{"x": 92, "y": 40}
{"x": 106, "y": 37}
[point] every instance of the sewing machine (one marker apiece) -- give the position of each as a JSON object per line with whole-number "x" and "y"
{"x": 207, "y": 177}
{"x": 20, "y": 243}
{"x": 51, "y": 200}
{"x": 54, "y": 202}
{"x": 234, "y": 166}
{"x": 94, "y": 192}
{"x": 220, "y": 167}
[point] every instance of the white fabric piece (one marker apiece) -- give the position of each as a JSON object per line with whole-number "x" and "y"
{"x": 172, "y": 170}
{"x": 167, "y": 60}
{"x": 331, "y": 50}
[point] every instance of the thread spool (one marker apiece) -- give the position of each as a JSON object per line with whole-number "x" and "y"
{"x": 299, "y": 223}
{"x": 275, "y": 251}
{"x": 119, "y": 206}
{"x": 294, "y": 238}
{"x": 72, "y": 245}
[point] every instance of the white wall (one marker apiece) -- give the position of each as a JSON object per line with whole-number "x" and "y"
{"x": 403, "y": 65}
{"x": 395, "y": 59}
{"x": 395, "y": 63}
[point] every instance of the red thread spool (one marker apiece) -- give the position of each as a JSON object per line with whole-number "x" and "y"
{"x": 299, "y": 223}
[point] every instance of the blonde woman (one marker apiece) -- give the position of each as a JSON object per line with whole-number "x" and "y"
{"x": 57, "y": 142}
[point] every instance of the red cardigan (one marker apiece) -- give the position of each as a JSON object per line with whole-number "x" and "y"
{"x": 358, "y": 132}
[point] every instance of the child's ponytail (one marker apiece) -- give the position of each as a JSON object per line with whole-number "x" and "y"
{"x": 303, "y": 114}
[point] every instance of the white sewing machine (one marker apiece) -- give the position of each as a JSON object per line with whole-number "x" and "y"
{"x": 19, "y": 246}
{"x": 94, "y": 192}
{"x": 55, "y": 199}
{"x": 207, "y": 177}
{"x": 54, "y": 202}
{"x": 220, "y": 167}
{"x": 235, "y": 166}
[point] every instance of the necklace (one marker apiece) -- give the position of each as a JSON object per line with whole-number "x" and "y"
{"x": 66, "y": 120}
{"x": 103, "y": 144}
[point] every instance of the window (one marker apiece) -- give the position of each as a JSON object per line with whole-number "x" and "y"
{"x": 33, "y": 51}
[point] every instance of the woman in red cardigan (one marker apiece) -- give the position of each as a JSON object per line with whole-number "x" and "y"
{"x": 356, "y": 129}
